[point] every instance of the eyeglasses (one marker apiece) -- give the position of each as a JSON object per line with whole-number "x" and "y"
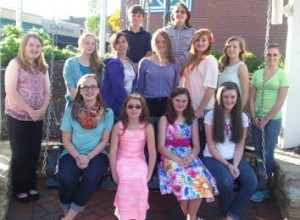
{"x": 134, "y": 107}
{"x": 180, "y": 11}
{"x": 87, "y": 88}
{"x": 272, "y": 54}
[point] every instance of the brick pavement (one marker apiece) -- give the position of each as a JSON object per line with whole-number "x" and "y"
{"x": 100, "y": 208}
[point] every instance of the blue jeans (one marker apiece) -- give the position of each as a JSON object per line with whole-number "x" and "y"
{"x": 272, "y": 130}
{"x": 75, "y": 193}
{"x": 229, "y": 204}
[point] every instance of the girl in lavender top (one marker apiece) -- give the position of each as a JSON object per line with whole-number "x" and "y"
{"x": 158, "y": 74}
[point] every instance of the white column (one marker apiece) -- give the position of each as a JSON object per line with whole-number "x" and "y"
{"x": 102, "y": 35}
{"x": 19, "y": 11}
{"x": 291, "y": 110}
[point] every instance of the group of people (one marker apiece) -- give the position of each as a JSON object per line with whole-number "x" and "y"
{"x": 170, "y": 75}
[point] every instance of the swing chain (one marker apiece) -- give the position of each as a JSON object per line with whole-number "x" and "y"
{"x": 51, "y": 111}
{"x": 261, "y": 109}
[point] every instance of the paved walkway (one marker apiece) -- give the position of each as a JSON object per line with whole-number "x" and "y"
{"x": 100, "y": 208}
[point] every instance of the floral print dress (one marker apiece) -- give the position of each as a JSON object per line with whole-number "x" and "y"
{"x": 186, "y": 183}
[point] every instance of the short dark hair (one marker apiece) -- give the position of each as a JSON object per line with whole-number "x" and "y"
{"x": 136, "y": 9}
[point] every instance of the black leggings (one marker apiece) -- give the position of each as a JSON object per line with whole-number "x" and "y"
{"x": 25, "y": 140}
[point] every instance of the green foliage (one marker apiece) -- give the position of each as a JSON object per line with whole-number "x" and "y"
{"x": 252, "y": 62}
{"x": 9, "y": 44}
{"x": 11, "y": 38}
{"x": 92, "y": 24}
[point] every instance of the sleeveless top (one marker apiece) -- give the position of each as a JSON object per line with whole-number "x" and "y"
{"x": 230, "y": 74}
{"x": 31, "y": 87}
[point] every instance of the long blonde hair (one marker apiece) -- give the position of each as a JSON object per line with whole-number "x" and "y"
{"x": 39, "y": 63}
{"x": 96, "y": 64}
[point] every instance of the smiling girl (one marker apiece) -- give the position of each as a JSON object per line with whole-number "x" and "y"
{"x": 226, "y": 129}
{"x": 233, "y": 67}
{"x": 200, "y": 77}
{"x": 180, "y": 170}
{"x": 128, "y": 163}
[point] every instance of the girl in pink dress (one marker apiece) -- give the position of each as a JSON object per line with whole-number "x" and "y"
{"x": 127, "y": 158}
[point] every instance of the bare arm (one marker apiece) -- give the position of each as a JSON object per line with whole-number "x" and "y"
{"x": 68, "y": 145}
{"x": 113, "y": 148}
{"x": 151, "y": 150}
{"x": 278, "y": 105}
{"x": 244, "y": 81}
{"x": 72, "y": 92}
{"x": 195, "y": 139}
{"x": 162, "y": 127}
{"x": 11, "y": 80}
{"x": 209, "y": 92}
{"x": 239, "y": 150}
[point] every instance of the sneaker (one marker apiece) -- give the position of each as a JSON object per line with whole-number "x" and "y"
{"x": 259, "y": 196}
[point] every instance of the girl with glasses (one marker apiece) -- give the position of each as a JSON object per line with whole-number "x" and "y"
{"x": 85, "y": 127}
{"x": 180, "y": 31}
{"x": 127, "y": 159}
{"x": 180, "y": 170}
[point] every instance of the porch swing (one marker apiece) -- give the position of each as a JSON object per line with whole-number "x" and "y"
{"x": 51, "y": 156}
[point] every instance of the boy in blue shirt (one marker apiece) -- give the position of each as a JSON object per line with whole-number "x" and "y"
{"x": 139, "y": 40}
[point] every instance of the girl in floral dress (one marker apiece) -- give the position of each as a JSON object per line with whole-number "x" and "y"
{"x": 180, "y": 171}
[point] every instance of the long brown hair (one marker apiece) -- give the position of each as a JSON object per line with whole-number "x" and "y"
{"x": 39, "y": 63}
{"x": 96, "y": 64}
{"x": 225, "y": 60}
{"x": 78, "y": 98}
{"x": 161, "y": 32}
{"x": 144, "y": 117}
{"x": 188, "y": 112}
{"x": 187, "y": 21}
{"x": 235, "y": 117}
{"x": 197, "y": 57}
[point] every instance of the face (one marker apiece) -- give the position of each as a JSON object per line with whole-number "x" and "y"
{"x": 88, "y": 45}
{"x": 33, "y": 48}
{"x": 202, "y": 44}
{"x": 179, "y": 15}
{"x": 160, "y": 44}
{"x": 273, "y": 56}
{"x": 233, "y": 49}
{"x": 136, "y": 19}
{"x": 89, "y": 89}
{"x": 180, "y": 102}
{"x": 134, "y": 108}
{"x": 229, "y": 98}
{"x": 121, "y": 46}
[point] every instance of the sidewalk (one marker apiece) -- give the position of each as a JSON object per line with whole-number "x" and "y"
{"x": 100, "y": 208}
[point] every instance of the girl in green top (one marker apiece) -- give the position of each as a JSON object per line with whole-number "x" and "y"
{"x": 269, "y": 89}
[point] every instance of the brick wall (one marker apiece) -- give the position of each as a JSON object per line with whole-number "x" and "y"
{"x": 227, "y": 18}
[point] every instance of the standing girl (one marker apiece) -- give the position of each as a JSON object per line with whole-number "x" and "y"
{"x": 269, "y": 89}
{"x": 233, "y": 68}
{"x": 180, "y": 31}
{"x": 127, "y": 158}
{"x": 226, "y": 129}
{"x": 200, "y": 77}
{"x": 85, "y": 127}
{"x": 180, "y": 170}
{"x": 120, "y": 74}
{"x": 87, "y": 62}
{"x": 27, "y": 90}
{"x": 158, "y": 74}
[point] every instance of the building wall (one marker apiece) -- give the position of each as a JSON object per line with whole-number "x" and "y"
{"x": 247, "y": 19}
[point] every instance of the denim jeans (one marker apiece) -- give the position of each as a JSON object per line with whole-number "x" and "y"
{"x": 75, "y": 193}
{"x": 272, "y": 130}
{"x": 229, "y": 204}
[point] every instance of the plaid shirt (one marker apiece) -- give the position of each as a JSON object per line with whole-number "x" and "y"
{"x": 181, "y": 39}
